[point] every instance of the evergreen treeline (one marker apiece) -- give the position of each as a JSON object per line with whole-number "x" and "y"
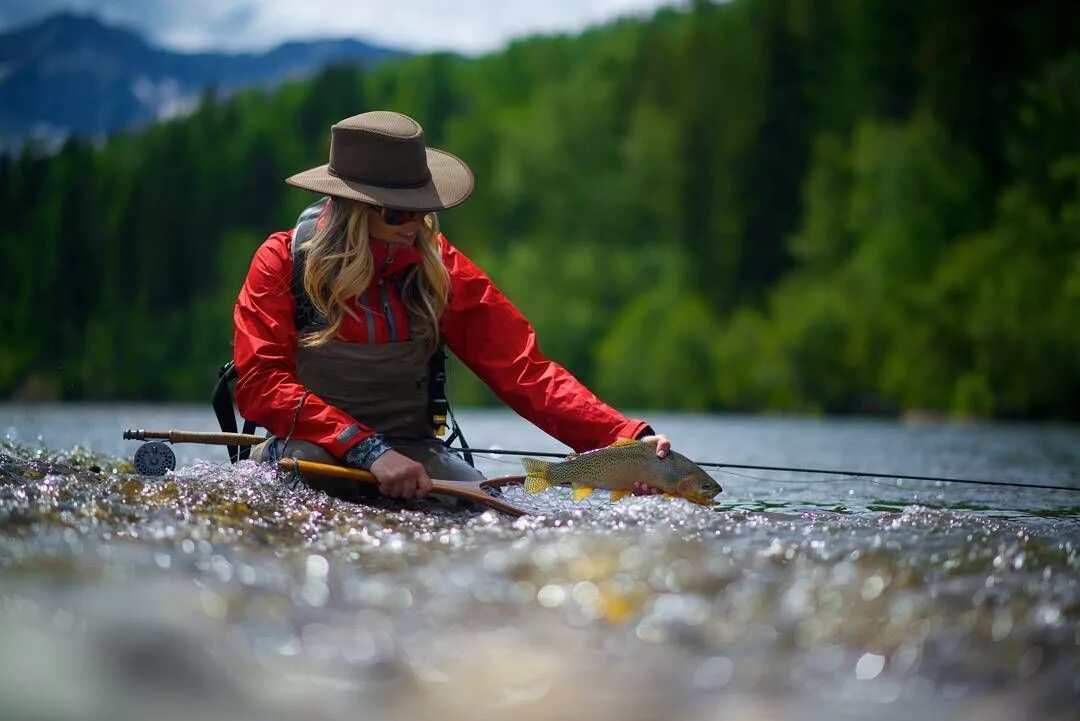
{"x": 766, "y": 204}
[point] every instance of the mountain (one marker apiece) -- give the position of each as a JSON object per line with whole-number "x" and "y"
{"x": 72, "y": 75}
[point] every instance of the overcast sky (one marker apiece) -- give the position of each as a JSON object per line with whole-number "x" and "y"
{"x": 467, "y": 26}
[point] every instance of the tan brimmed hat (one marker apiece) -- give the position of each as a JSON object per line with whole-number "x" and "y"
{"x": 380, "y": 158}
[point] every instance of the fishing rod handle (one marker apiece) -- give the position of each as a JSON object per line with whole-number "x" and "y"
{"x": 313, "y": 468}
{"x": 213, "y": 439}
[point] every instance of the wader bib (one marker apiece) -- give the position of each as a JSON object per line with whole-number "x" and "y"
{"x": 383, "y": 385}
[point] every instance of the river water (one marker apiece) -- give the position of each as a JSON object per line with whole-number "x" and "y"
{"x": 217, "y": 592}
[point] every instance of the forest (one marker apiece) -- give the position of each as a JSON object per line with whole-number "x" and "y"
{"x": 756, "y": 206}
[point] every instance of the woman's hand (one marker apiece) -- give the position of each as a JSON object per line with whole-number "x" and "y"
{"x": 400, "y": 476}
{"x": 663, "y": 447}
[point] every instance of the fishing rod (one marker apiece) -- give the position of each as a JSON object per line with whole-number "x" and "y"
{"x": 155, "y": 458}
{"x": 789, "y": 469}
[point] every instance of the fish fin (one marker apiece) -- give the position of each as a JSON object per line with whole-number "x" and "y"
{"x": 670, "y": 495}
{"x": 534, "y": 466}
{"x": 581, "y": 492}
{"x": 624, "y": 442}
{"x": 535, "y": 485}
{"x": 616, "y": 495}
{"x": 536, "y": 474}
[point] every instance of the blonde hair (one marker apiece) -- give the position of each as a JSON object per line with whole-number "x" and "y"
{"x": 339, "y": 268}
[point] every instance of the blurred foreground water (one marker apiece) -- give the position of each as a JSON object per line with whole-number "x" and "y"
{"x": 218, "y": 593}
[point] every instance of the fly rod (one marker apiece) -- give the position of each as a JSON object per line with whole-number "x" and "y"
{"x": 211, "y": 439}
{"x": 155, "y": 458}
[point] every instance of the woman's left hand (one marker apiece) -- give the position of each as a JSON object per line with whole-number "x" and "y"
{"x": 663, "y": 447}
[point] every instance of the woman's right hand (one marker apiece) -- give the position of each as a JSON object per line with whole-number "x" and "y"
{"x": 400, "y": 476}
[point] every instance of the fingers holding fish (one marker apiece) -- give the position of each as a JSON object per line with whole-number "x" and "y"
{"x": 641, "y": 488}
{"x": 660, "y": 442}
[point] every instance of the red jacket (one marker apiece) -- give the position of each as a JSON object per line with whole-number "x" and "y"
{"x": 480, "y": 325}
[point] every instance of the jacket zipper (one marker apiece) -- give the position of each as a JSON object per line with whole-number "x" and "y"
{"x": 385, "y": 296}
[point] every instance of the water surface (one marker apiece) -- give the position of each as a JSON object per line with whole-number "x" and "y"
{"x": 218, "y": 592}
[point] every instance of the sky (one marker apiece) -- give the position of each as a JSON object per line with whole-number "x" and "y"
{"x": 465, "y": 26}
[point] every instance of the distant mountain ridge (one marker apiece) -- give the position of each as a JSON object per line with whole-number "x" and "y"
{"x": 71, "y": 74}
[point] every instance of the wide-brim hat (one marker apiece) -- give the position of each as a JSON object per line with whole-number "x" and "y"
{"x": 381, "y": 158}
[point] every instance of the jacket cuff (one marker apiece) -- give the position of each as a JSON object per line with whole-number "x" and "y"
{"x": 646, "y": 430}
{"x": 632, "y": 428}
{"x": 366, "y": 452}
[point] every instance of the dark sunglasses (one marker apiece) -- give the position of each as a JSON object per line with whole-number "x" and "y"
{"x": 394, "y": 216}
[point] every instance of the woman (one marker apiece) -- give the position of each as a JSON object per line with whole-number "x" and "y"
{"x": 338, "y": 318}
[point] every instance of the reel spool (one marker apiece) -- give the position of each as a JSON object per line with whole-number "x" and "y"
{"x": 154, "y": 459}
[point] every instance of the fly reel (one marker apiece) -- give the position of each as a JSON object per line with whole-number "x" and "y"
{"x": 154, "y": 458}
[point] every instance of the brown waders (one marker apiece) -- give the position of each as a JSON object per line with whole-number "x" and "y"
{"x": 385, "y": 385}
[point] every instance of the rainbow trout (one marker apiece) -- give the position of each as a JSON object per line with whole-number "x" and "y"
{"x": 617, "y": 468}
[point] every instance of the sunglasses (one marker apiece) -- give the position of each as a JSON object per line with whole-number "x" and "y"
{"x": 394, "y": 216}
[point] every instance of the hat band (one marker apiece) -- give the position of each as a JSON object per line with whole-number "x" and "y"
{"x": 381, "y": 183}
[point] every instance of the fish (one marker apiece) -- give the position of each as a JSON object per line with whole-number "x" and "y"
{"x": 618, "y": 467}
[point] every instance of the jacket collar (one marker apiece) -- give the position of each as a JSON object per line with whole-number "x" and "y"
{"x": 403, "y": 257}
{"x": 389, "y": 263}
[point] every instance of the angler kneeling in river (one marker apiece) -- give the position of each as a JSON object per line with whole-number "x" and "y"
{"x": 339, "y": 318}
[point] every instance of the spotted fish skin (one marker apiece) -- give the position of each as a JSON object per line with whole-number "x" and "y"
{"x": 618, "y": 467}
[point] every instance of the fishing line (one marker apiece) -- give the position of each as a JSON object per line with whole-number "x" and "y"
{"x": 493, "y": 459}
{"x": 862, "y": 475}
{"x": 771, "y": 480}
{"x": 790, "y": 482}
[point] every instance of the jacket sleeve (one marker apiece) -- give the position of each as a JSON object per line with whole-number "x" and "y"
{"x": 491, "y": 336}
{"x": 268, "y": 391}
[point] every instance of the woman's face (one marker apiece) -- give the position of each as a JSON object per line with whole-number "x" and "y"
{"x": 404, "y": 234}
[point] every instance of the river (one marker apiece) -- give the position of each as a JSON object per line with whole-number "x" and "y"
{"x": 217, "y": 592}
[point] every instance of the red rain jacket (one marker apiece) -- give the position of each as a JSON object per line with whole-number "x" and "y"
{"x": 480, "y": 325}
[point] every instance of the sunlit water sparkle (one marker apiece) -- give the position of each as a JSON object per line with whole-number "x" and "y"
{"x": 218, "y": 592}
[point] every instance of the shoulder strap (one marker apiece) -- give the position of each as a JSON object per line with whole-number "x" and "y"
{"x": 222, "y": 401}
{"x": 306, "y": 316}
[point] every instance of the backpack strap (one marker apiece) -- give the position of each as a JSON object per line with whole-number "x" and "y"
{"x": 222, "y": 401}
{"x": 306, "y": 317}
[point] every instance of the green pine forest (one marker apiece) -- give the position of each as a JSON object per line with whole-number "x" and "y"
{"x": 859, "y": 206}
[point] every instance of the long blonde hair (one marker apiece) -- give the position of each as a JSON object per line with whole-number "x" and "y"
{"x": 339, "y": 268}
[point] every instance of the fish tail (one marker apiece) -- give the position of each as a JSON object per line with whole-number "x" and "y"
{"x": 536, "y": 474}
